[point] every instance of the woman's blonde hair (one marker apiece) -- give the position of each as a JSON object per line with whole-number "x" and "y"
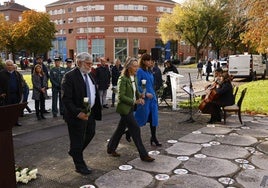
{"x": 35, "y": 67}
{"x": 128, "y": 64}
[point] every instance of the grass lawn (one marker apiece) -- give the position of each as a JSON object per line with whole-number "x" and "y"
{"x": 255, "y": 101}
{"x": 256, "y": 98}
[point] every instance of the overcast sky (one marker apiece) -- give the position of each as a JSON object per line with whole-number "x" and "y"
{"x": 39, "y": 5}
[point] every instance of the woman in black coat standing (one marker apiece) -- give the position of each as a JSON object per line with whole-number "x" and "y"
{"x": 40, "y": 86}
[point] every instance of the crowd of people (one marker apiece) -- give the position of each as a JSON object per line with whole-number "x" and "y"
{"x": 81, "y": 92}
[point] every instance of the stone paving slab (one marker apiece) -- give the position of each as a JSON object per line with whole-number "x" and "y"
{"x": 211, "y": 167}
{"x": 263, "y": 147}
{"x": 238, "y": 140}
{"x": 225, "y": 152}
{"x": 122, "y": 179}
{"x": 234, "y": 124}
{"x": 257, "y": 125}
{"x": 197, "y": 138}
{"x": 234, "y": 119}
{"x": 252, "y": 178}
{"x": 215, "y": 130}
{"x": 191, "y": 181}
{"x": 244, "y": 118}
{"x": 183, "y": 149}
{"x": 257, "y": 133}
{"x": 262, "y": 120}
{"x": 261, "y": 161}
{"x": 162, "y": 164}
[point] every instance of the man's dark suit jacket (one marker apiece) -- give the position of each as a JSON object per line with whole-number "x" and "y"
{"x": 4, "y": 85}
{"x": 73, "y": 93}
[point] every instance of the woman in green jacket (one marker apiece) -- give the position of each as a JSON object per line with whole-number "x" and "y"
{"x": 128, "y": 97}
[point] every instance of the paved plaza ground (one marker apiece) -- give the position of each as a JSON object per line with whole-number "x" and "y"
{"x": 192, "y": 155}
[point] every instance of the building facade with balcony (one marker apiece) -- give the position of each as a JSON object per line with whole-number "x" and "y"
{"x": 106, "y": 28}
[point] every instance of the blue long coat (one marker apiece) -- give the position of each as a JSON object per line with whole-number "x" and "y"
{"x": 151, "y": 106}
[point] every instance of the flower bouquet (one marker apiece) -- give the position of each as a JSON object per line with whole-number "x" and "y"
{"x": 24, "y": 175}
{"x": 86, "y": 106}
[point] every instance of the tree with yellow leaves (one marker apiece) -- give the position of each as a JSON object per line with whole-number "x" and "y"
{"x": 192, "y": 22}
{"x": 35, "y": 32}
{"x": 8, "y": 40}
{"x": 256, "y": 33}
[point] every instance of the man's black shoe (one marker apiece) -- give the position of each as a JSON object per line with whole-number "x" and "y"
{"x": 105, "y": 106}
{"x": 46, "y": 112}
{"x": 18, "y": 124}
{"x": 83, "y": 170}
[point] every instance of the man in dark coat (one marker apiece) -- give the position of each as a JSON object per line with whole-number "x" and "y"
{"x": 103, "y": 77}
{"x": 116, "y": 71}
{"x": 82, "y": 107}
{"x": 10, "y": 85}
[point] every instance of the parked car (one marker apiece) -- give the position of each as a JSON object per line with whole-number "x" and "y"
{"x": 189, "y": 60}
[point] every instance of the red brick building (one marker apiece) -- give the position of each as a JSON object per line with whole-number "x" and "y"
{"x": 110, "y": 28}
{"x": 12, "y": 11}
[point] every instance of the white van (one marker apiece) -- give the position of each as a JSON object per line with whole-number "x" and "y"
{"x": 246, "y": 66}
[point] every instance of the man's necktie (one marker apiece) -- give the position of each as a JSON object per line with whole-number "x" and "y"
{"x": 87, "y": 85}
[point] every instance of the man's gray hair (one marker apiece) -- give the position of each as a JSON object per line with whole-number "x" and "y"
{"x": 9, "y": 61}
{"x": 84, "y": 56}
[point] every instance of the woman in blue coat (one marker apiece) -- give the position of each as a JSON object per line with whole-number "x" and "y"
{"x": 149, "y": 111}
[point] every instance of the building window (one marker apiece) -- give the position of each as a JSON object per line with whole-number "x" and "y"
{"x": 91, "y": 30}
{"x": 130, "y": 18}
{"x": 130, "y": 7}
{"x": 69, "y": 9}
{"x": 90, "y": 8}
{"x": 130, "y": 30}
{"x": 164, "y": 9}
{"x": 90, "y": 19}
{"x": 70, "y": 31}
{"x": 98, "y": 48}
{"x": 120, "y": 49}
{"x": 70, "y": 20}
{"x": 61, "y": 32}
{"x": 81, "y": 45}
